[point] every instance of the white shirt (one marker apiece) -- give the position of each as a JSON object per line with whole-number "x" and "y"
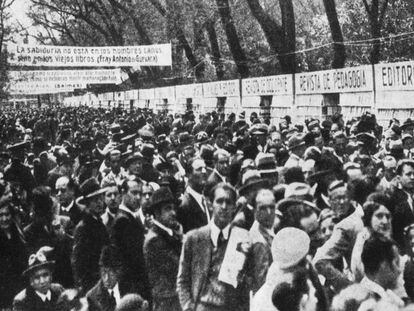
{"x": 44, "y": 297}
{"x": 215, "y": 232}
{"x": 68, "y": 208}
{"x": 116, "y": 293}
{"x": 200, "y": 200}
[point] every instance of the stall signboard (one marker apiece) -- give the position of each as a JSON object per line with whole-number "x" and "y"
{"x": 346, "y": 80}
{"x": 271, "y": 85}
{"x": 88, "y": 56}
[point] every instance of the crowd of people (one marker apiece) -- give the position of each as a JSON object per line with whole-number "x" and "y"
{"x": 115, "y": 210}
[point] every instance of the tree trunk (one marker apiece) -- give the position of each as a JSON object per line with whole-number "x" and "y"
{"x": 336, "y": 32}
{"x": 281, "y": 39}
{"x": 215, "y": 49}
{"x": 289, "y": 30}
{"x": 232, "y": 38}
{"x": 194, "y": 62}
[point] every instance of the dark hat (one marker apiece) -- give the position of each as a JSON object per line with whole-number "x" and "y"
{"x": 100, "y": 135}
{"x": 63, "y": 158}
{"x": 185, "y": 138}
{"x": 137, "y": 156}
{"x": 146, "y": 133}
{"x": 312, "y": 124}
{"x": 129, "y": 139}
{"x": 202, "y": 137}
{"x": 296, "y": 140}
{"x": 160, "y": 196}
{"x": 116, "y": 137}
{"x": 259, "y": 129}
{"x": 242, "y": 115}
{"x": 252, "y": 180}
{"x": 266, "y": 163}
{"x": 86, "y": 144}
{"x": 38, "y": 261}
{"x": 89, "y": 189}
{"x": 147, "y": 150}
{"x": 207, "y": 154}
{"x": 407, "y": 123}
{"x": 110, "y": 257}
{"x": 18, "y": 147}
{"x": 40, "y": 144}
{"x": 164, "y": 165}
{"x": 285, "y": 204}
{"x": 365, "y": 137}
{"x": 115, "y": 128}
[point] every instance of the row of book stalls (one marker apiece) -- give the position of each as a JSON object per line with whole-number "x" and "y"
{"x": 384, "y": 89}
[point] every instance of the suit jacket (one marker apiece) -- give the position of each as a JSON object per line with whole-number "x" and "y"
{"x": 99, "y": 299}
{"x": 212, "y": 180}
{"x": 403, "y": 216}
{"x": 75, "y": 214}
{"x": 128, "y": 235}
{"x": 194, "y": 267}
{"x": 28, "y": 300}
{"x": 328, "y": 259}
{"x": 162, "y": 255}
{"x": 89, "y": 239}
{"x": 190, "y": 214}
{"x": 261, "y": 255}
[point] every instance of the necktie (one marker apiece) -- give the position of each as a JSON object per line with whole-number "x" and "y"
{"x": 204, "y": 203}
{"x": 220, "y": 239}
{"x": 112, "y": 301}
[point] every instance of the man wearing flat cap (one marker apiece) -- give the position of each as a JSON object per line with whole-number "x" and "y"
{"x": 90, "y": 236}
{"x": 41, "y": 294}
{"x": 162, "y": 249}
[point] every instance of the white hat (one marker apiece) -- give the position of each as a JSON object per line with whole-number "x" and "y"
{"x": 289, "y": 247}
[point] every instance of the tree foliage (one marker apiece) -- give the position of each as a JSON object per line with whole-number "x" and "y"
{"x": 225, "y": 39}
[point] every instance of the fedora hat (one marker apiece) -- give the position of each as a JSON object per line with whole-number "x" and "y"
{"x": 296, "y": 140}
{"x": 38, "y": 261}
{"x": 89, "y": 189}
{"x": 159, "y": 197}
{"x": 252, "y": 180}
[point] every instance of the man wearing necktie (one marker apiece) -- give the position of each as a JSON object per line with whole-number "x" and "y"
{"x": 107, "y": 293}
{"x": 41, "y": 294}
{"x": 198, "y": 285}
{"x": 193, "y": 211}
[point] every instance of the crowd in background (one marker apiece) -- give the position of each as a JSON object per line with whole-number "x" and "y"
{"x": 115, "y": 210}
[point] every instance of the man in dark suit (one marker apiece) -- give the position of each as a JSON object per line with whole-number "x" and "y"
{"x": 112, "y": 201}
{"x": 404, "y": 211}
{"x": 65, "y": 188}
{"x": 128, "y": 235}
{"x": 16, "y": 171}
{"x": 162, "y": 249}
{"x": 107, "y": 293}
{"x": 193, "y": 211}
{"x": 41, "y": 294}
{"x": 90, "y": 236}
{"x": 221, "y": 170}
{"x": 198, "y": 284}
